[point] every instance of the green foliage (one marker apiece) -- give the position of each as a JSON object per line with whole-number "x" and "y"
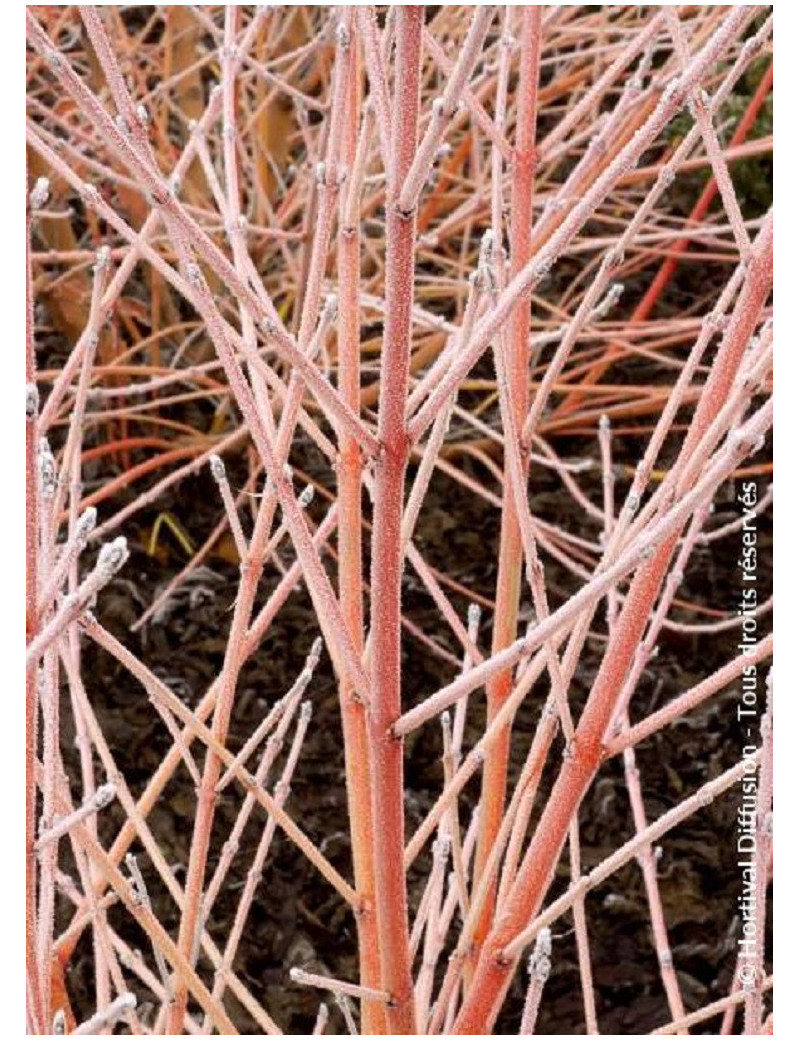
{"x": 752, "y": 177}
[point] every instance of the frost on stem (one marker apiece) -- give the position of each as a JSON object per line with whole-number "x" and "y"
{"x": 40, "y": 193}
{"x": 217, "y": 467}
{"x": 102, "y": 261}
{"x": 615, "y": 258}
{"x": 61, "y": 825}
{"x": 485, "y": 279}
{"x": 116, "y": 1010}
{"x": 90, "y": 195}
{"x": 104, "y": 795}
{"x": 74, "y": 546}
{"x": 111, "y": 558}
{"x": 539, "y": 972}
{"x": 342, "y": 36}
{"x": 314, "y": 654}
{"x": 195, "y": 230}
{"x": 490, "y": 244}
{"x": 305, "y": 677}
{"x": 609, "y": 301}
{"x": 31, "y": 401}
{"x": 542, "y": 269}
{"x": 699, "y": 104}
{"x": 473, "y": 619}
{"x": 141, "y": 898}
{"x": 47, "y": 469}
{"x": 85, "y": 525}
{"x": 330, "y": 307}
{"x": 539, "y": 961}
{"x": 440, "y": 850}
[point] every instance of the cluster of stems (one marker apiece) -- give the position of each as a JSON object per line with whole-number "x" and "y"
{"x": 408, "y": 106}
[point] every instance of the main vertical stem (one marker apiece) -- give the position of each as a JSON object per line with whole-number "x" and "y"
{"x": 354, "y": 716}
{"x": 387, "y": 544}
{"x": 518, "y": 366}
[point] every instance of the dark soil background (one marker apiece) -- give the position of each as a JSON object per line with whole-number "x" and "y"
{"x": 296, "y": 920}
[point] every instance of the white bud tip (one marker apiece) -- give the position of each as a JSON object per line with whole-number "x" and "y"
{"x": 105, "y": 795}
{"x": 544, "y": 942}
{"x": 113, "y": 555}
{"x": 31, "y": 401}
{"x": 40, "y": 193}
{"x": 217, "y": 467}
{"x": 306, "y": 496}
{"x": 86, "y": 522}
{"x": 441, "y": 848}
{"x": 47, "y": 466}
{"x": 103, "y": 258}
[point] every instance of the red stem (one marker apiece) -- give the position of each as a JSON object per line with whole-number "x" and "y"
{"x": 387, "y": 542}
{"x": 495, "y": 970}
{"x": 506, "y": 616}
{"x": 670, "y": 263}
{"x": 354, "y": 717}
